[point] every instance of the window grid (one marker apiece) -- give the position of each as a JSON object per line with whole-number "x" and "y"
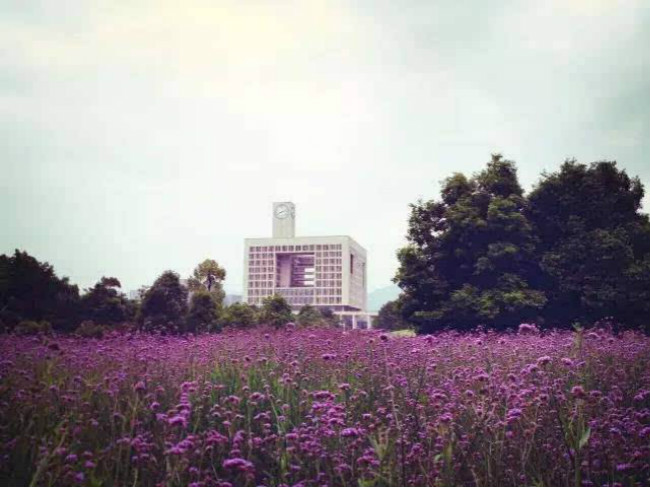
{"x": 328, "y": 274}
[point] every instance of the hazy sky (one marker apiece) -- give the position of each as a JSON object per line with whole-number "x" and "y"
{"x": 141, "y": 136}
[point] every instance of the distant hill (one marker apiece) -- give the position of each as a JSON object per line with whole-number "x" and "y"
{"x": 379, "y": 297}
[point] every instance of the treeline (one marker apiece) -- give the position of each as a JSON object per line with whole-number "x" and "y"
{"x": 33, "y": 299}
{"x": 574, "y": 251}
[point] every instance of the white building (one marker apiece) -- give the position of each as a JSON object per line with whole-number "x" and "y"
{"x": 325, "y": 272}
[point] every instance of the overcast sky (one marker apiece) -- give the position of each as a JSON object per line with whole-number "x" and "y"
{"x": 141, "y": 136}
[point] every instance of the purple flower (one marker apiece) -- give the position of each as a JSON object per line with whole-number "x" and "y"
{"x": 578, "y": 391}
{"x": 238, "y": 464}
{"x": 177, "y": 420}
{"x": 350, "y": 433}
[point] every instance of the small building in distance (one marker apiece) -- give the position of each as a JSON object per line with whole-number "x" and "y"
{"x": 325, "y": 272}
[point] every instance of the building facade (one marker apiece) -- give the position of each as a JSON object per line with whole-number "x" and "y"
{"x": 325, "y": 272}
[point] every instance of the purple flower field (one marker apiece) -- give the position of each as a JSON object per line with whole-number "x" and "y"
{"x": 324, "y": 407}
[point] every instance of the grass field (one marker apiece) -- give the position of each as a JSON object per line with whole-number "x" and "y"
{"x": 326, "y": 408}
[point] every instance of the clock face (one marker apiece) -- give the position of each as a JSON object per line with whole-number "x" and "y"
{"x": 283, "y": 211}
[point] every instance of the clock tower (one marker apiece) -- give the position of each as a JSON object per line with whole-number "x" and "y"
{"x": 284, "y": 220}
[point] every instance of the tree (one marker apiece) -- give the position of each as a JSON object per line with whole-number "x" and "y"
{"x": 390, "y": 317}
{"x": 594, "y": 244}
{"x": 208, "y": 276}
{"x": 275, "y": 311}
{"x": 240, "y": 315}
{"x": 104, "y": 304}
{"x": 164, "y": 306}
{"x": 31, "y": 290}
{"x": 310, "y": 316}
{"x": 204, "y": 313}
{"x": 470, "y": 258}
{"x": 329, "y": 317}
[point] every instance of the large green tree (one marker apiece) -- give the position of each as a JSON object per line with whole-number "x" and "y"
{"x": 105, "y": 304}
{"x": 594, "y": 244}
{"x": 204, "y": 314}
{"x": 31, "y": 290}
{"x": 164, "y": 306}
{"x": 470, "y": 258}
{"x": 208, "y": 276}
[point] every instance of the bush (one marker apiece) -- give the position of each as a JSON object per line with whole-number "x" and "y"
{"x": 390, "y": 317}
{"x": 240, "y": 315}
{"x": 164, "y": 306}
{"x": 312, "y": 316}
{"x": 29, "y": 327}
{"x": 276, "y": 311}
{"x": 88, "y": 329}
{"x": 204, "y": 313}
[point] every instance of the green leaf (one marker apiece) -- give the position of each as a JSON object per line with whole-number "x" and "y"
{"x": 366, "y": 482}
{"x": 584, "y": 439}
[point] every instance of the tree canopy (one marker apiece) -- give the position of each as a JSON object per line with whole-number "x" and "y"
{"x": 275, "y": 311}
{"x": 204, "y": 314}
{"x": 470, "y": 258}
{"x": 309, "y": 315}
{"x": 31, "y": 290}
{"x": 593, "y": 244}
{"x": 105, "y": 304}
{"x": 164, "y": 306}
{"x": 208, "y": 276}
{"x": 577, "y": 249}
{"x": 240, "y": 315}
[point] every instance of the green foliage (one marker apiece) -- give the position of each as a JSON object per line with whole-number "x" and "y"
{"x": 470, "y": 258}
{"x": 594, "y": 244}
{"x": 164, "y": 306}
{"x": 88, "y": 329}
{"x": 30, "y": 327}
{"x": 329, "y": 317}
{"x": 103, "y": 303}
{"x": 275, "y": 311}
{"x": 204, "y": 313}
{"x": 404, "y": 333}
{"x": 30, "y": 290}
{"x": 240, "y": 315}
{"x": 310, "y": 316}
{"x": 390, "y": 317}
{"x": 208, "y": 276}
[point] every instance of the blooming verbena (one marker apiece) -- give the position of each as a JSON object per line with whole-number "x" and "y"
{"x": 238, "y": 464}
{"x": 323, "y": 407}
{"x": 578, "y": 391}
